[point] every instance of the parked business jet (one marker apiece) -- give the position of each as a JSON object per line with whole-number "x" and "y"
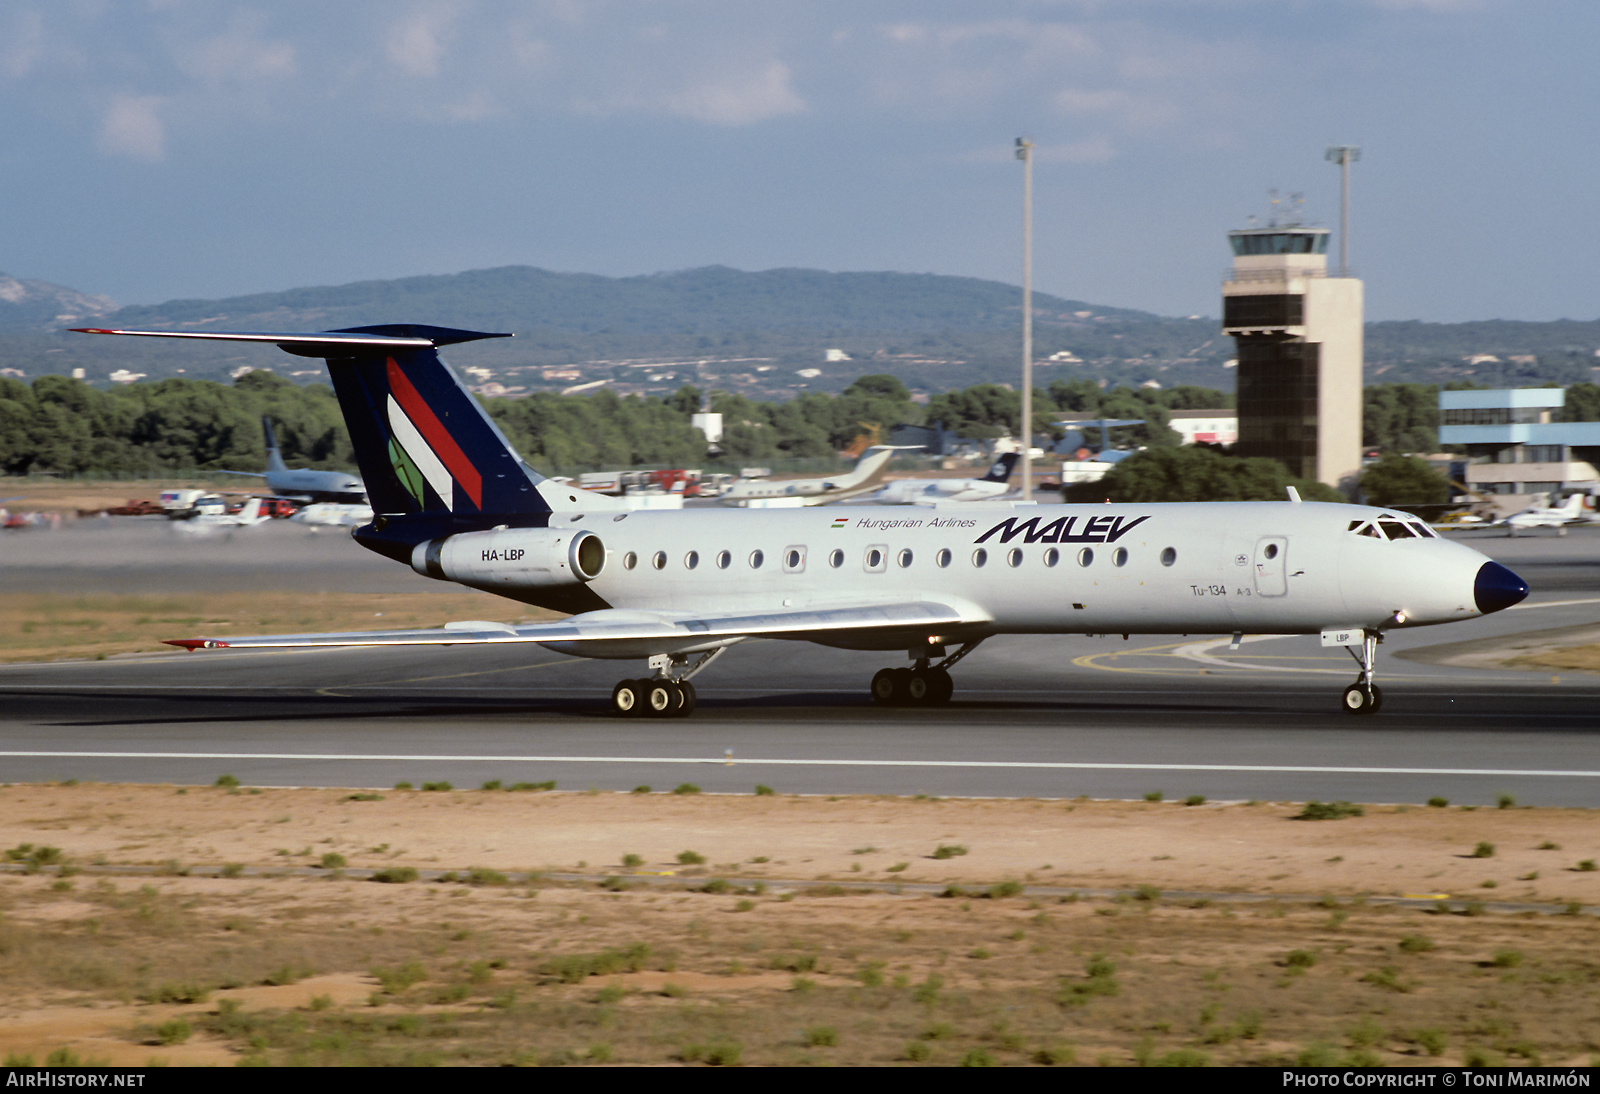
{"x": 334, "y": 513}
{"x": 864, "y": 478}
{"x": 1553, "y": 516}
{"x": 934, "y": 491}
{"x": 677, "y": 588}
{"x": 214, "y": 515}
{"x": 329, "y": 486}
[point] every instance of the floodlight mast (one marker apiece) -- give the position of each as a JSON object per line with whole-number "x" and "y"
{"x": 1025, "y": 154}
{"x": 1344, "y": 155}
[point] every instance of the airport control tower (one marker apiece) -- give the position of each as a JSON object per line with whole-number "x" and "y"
{"x": 1298, "y": 333}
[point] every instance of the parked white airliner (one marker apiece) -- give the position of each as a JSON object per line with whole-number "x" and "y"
{"x": 863, "y": 478}
{"x": 677, "y": 588}
{"x": 935, "y": 491}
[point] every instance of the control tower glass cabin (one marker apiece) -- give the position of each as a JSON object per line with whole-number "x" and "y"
{"x": 1298, "y": 333}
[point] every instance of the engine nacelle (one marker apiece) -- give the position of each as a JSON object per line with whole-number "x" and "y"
{"x": 518, "y": 558}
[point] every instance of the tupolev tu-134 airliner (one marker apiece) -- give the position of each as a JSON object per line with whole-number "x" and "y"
{"x": 676, "y": 588}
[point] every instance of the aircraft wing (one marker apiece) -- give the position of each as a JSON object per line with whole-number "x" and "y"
{"x": 622, "y": 626}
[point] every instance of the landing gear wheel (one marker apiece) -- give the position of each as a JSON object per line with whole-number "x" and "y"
{"x": 902, "y": 686}
{"x": 661, "y": 698}
{"x": 883, "y": 688}
{"x": 941, "y": 687}
{"x": 686, "y": 700}
{"x": 627, "y": 698}
{"x": 920, "y": 689}
{"x": 1360, "y": 699}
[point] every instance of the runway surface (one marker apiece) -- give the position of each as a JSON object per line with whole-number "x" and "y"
{"x": 1046, "y": 717}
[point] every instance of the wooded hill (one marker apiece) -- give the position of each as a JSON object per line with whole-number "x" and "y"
{"x": 751, "y": 333}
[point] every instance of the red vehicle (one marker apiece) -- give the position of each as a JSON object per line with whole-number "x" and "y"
{"x": 279, "y": 508}
{"x": 668, "y": 481}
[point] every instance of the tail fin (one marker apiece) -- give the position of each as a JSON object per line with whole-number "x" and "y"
{"x": 425, "y": 447}
{"x": 274, "y": 455}
{"x": 423, "y": 443}
{"x": 1001, "y": 471}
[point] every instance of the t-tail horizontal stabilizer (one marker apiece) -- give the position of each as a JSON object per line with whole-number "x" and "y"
{"x": 432, "y": 459}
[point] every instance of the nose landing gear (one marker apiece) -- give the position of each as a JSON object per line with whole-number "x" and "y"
{"x": 1363, "y": 696}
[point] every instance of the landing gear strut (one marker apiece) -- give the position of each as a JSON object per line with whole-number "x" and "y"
{"x": 1363, "y": 696}
{"x": 921, "y": 685}
{"x": 667, "y": 694}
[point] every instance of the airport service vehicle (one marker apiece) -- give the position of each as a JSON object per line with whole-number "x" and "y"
{"x": 304, "y": 486}
{"x": 933, "y": 491}
{"x": 864, "y": 478}
{"x": 1553, "y": 516}
{"x": 180, "y": 504}
{"x": 677, "y": 588}
{"x": 617, "y": 483}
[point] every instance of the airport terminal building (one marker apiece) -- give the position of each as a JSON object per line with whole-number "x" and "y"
{"x": 1514, "y": 450}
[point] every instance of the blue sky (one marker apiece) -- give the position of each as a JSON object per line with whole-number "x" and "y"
{"x": 155, "y": 149}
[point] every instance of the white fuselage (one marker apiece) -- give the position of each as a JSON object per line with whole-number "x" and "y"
{"x": 1260, "y": 567}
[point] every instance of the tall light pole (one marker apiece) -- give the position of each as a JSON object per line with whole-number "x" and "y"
{"x": 1344, "y": 155}
{"x": 1025, "y": 154}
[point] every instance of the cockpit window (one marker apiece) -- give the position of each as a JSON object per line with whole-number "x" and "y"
{"x": 1363, "y": 528}
{"x": 1422, "y": 530}
{"x": 1395, "y": 529}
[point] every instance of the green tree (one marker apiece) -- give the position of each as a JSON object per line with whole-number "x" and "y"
{"x": 1582, "y": 405}
{"x": 1186, "y": 473}
{"x": 1403, "y": 480}
{"x": 1400, "y": 417}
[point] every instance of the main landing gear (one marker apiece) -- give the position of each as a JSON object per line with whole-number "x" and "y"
{"x": 1363, "y": 696}
{"x": 667, "y": 694}
{"x": 922, "y": 684}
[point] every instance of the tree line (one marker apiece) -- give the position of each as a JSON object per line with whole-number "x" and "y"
{"x": 66, "y": 426}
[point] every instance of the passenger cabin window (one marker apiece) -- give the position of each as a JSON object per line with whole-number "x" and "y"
{"x": 1014, "y": 557}
{"x": 691, "y": 560}
{"x": 905, "y": 558}
{"x": 1169, "y": 555}
{"x": 659, "y": 560}
{"x": 724, "y": 559}
{"x": 794, "y": 560}
{"x": 1119, "y": 557}
{"x": 1086, "y": 557}
{"x": 756, "y": 559}
{"x": 1052, "y": 556}
{"x": 836, "y": 558}
{"x": 630, "y": 560}
{"x": 875, "y": 559}
{"x": 979, "y": 557}
{"x": 942, "y": 559}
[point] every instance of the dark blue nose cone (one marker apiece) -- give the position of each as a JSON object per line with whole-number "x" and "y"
{"x": 1497, "y": 587}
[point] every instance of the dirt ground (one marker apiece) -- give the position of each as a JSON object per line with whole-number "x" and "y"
{"x": 296, "y": 957}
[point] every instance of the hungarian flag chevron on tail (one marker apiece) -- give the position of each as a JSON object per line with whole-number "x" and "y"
{"x": 423, "y": 443}
{"x": 432, "y": 459}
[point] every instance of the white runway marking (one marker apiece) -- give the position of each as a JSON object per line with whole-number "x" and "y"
{"x": 760, "y": 761}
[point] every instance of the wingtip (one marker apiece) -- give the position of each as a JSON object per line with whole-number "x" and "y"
{"x": 192, "y": 644}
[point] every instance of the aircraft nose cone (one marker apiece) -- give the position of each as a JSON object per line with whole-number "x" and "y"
{"x": 1497, "y": 587}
